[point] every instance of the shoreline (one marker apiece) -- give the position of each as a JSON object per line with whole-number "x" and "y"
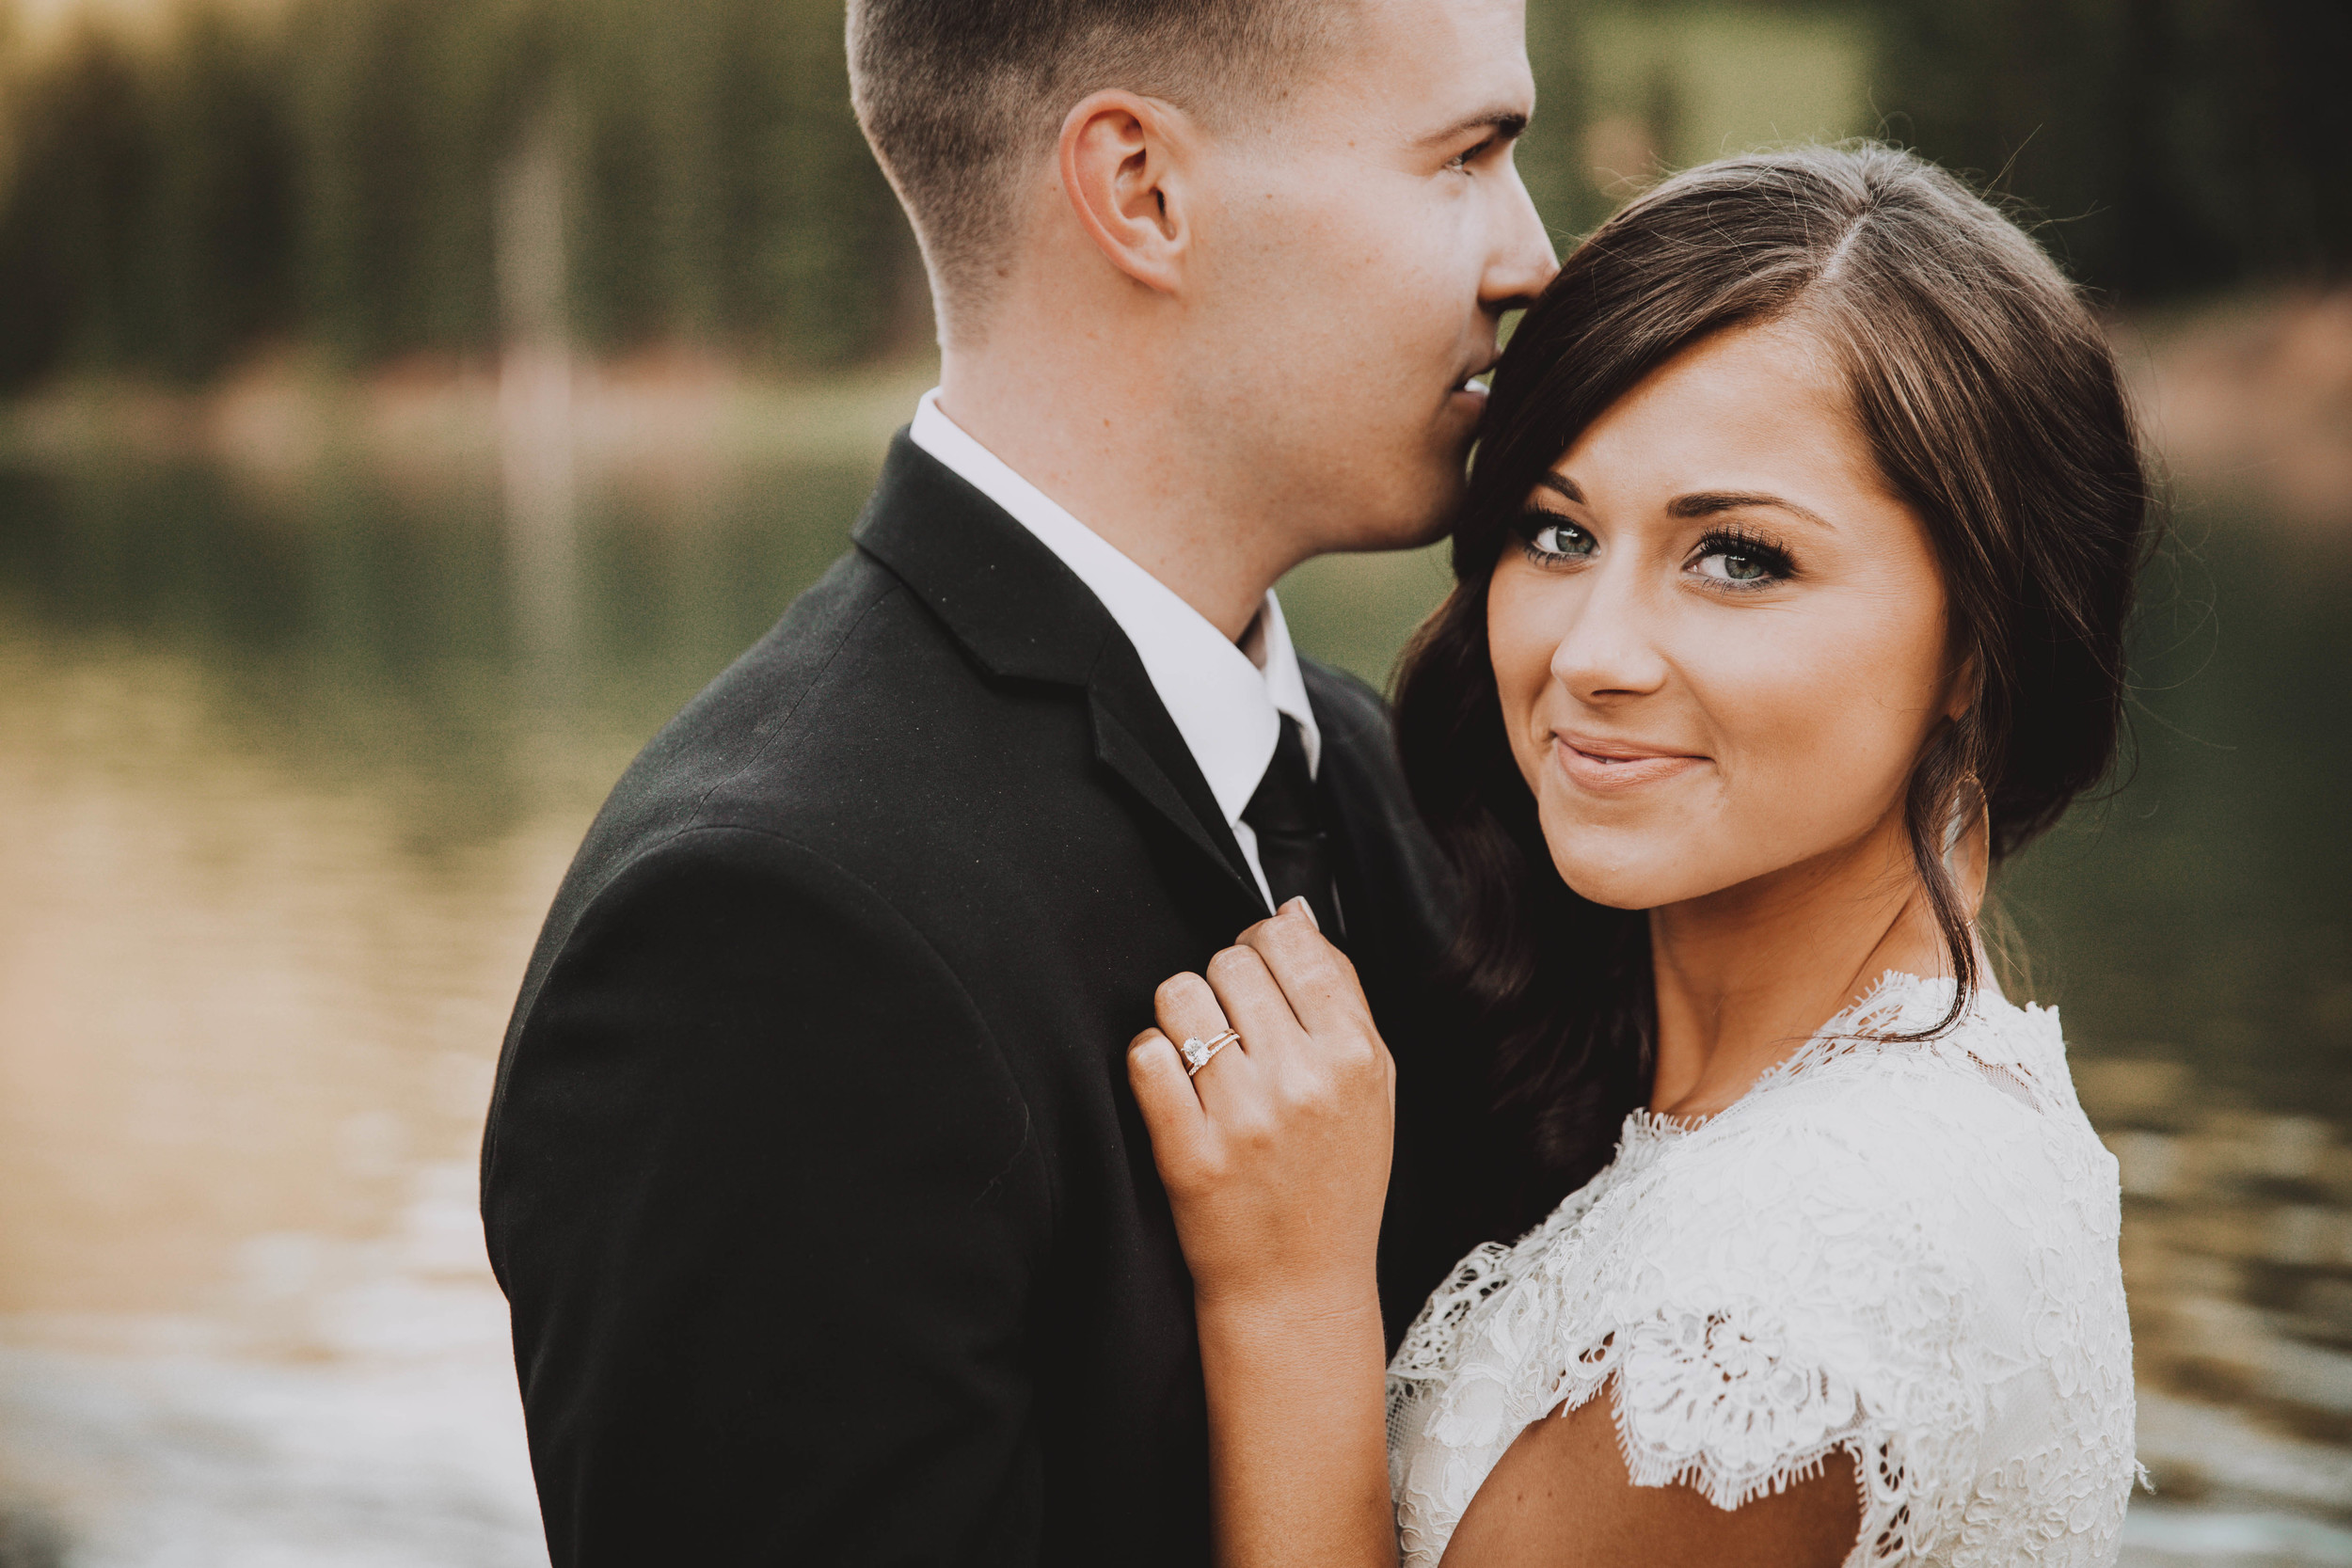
{"x": 2246, "y": 396}
{"x": 668, "y": 413}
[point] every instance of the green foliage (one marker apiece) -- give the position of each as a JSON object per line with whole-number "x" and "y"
{"x": 399, "y": 109}
{"x": 149, "y": 216}
{"x": 2175, "y": 144}
{"x": 727, "y": 195}
{"x": 331, "y": 176}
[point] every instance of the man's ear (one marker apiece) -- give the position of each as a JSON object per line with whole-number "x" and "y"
{"x": 1120, "y": 168}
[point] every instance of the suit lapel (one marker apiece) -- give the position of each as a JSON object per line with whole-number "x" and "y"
{"x": 1132, "y": 739}
{"x": 1026, "y": 616}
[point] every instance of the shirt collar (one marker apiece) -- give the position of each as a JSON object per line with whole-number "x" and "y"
{"x": 1229, "y": 710}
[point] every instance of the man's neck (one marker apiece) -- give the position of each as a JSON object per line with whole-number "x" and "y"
{"x": 1102, "y": 441}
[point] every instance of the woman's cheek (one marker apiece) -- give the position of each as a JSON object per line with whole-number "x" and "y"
{"x": 1520, "y": 647}
{"x": 1779, "y": 707}
{"x": 1824, "y": 734}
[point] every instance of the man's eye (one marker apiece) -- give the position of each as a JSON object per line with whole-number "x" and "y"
{"x": 1464, "y": 158}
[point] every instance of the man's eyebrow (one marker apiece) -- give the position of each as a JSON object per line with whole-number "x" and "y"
{"x": 1506, "y": 122}
{"x": 1708, "y": 503}
{"x": 1563, "y": 485}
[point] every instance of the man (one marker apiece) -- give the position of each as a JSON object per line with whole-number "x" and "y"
{"x": 829, "y": 1224}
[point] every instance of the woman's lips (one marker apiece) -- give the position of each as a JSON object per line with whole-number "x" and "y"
{"x": 1615, "y": 765}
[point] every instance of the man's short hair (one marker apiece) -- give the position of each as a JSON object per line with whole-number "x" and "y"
{"x": 958, "y": 97}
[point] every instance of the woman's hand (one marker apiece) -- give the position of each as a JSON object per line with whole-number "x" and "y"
{"x": 1275, "y": 1154}
{"x": 1275, "y": 1157}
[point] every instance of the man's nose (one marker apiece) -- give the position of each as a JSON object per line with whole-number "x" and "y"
{"x": 1523, "y": 260}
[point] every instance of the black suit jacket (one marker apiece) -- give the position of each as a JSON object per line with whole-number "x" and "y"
{"x": 829, "y": 1224}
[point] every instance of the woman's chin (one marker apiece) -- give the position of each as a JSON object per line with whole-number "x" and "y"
{"x": 1616, "y": 865}
{"x": 1615, "y": 872}
{"x": 1611, "y": 887}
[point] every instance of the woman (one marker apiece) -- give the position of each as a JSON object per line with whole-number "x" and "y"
{"x": 1792, "y": 584}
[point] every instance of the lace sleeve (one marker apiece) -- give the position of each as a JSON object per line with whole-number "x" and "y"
{"x": 1762, "y": 1299}
{"x": 1903, "y": 1251}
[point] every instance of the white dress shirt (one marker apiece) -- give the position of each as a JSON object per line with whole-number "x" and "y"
{"x": 1227, "y": 705}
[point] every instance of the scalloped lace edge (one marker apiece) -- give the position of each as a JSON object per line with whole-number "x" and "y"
{"x": 1704, "y": 1475}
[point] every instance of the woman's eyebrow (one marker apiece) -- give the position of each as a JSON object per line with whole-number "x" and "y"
{"x": 1563, "y": 485}
{"x": 1707, "y": 504}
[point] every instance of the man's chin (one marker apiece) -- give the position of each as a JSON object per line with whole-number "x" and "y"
{"x": 1408, "y": 530}
{"x": 1443, "y": 508}
{"x": 1397, "y": 505}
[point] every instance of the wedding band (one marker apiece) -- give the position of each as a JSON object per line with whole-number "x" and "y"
{"x": 1196, "y": 1053}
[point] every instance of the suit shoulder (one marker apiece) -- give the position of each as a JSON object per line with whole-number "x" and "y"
{"x": 825, "y": 680}
{"x": 743, "y": 710}
{"x": 709, "y": 867}
{"x": 742, "y": 887}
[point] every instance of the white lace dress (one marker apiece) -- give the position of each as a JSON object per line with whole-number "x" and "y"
{"x": 1907, "y": 1252}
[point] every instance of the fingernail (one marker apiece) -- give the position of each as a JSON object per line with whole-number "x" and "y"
{"x": 1300, "y": 906}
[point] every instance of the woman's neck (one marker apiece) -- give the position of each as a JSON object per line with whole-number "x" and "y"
{"x": 1745, "y": 976}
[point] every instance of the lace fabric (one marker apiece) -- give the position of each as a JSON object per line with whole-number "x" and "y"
{"x": 1905, "y": 1252}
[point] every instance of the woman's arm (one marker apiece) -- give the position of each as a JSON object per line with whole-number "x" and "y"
{"x": 1561, "y": 1499}
{"x": 1275, "y": 1159}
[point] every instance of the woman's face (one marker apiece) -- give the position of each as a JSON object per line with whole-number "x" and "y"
{"x": 1719, "y": 639}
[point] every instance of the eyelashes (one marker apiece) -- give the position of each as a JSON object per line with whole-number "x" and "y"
{"x": 1730, "y": 559}
{"x": 1551, "y": 538}
{"x": 1742, "y": 560}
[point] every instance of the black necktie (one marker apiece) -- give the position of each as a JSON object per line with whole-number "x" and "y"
{"x": 1292, "y": 848}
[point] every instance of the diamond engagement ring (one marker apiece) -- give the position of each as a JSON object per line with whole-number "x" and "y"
{"x": 1196, "y": 1053}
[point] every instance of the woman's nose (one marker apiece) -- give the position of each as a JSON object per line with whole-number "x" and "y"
{"x": 1610, "y": 648}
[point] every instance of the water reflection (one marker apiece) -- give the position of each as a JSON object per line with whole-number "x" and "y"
{"x": 289, "y": 778}
{"x": 242, "y": 1066}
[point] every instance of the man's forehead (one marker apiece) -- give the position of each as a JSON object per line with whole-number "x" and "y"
{"x": 1444, "y": 65}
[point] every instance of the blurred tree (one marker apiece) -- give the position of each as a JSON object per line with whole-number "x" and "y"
{"x": 219, "y": 218}
{"x": 830, "y": 270}
{"x": 73, "y": 246}
{"x": 401, "y": 108}
{"x": 2175, "y": 144}
{"x": 170, "y": 206}
{"x": 332, "y": 175}
{"x": 729, "y": 196}
{"x": 1552, "y": 157}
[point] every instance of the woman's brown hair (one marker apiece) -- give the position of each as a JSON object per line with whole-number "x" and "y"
{"x": 1992, "y": 406}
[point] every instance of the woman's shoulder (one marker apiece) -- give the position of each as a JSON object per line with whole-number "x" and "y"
{"x": 1948, "y": 1152}
{"x": 1866, "y": 1091}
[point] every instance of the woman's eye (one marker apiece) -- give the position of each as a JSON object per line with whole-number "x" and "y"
{"x": 1742, "y": 562}
{"x": 1733, "y": 568}
{"x": 1549, "y": 536}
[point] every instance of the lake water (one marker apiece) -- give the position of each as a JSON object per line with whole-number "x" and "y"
{"x": 291, "y": 766}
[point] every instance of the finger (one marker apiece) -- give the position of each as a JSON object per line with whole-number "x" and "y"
{"x": 1253, "y": 1002}
{"x": 1315, "y": 977}
{"x": 1188, "y": 1010}
{"x": 1171, "y": 1109}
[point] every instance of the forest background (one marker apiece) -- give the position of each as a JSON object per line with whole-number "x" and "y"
{"x": 185, "y": 189}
